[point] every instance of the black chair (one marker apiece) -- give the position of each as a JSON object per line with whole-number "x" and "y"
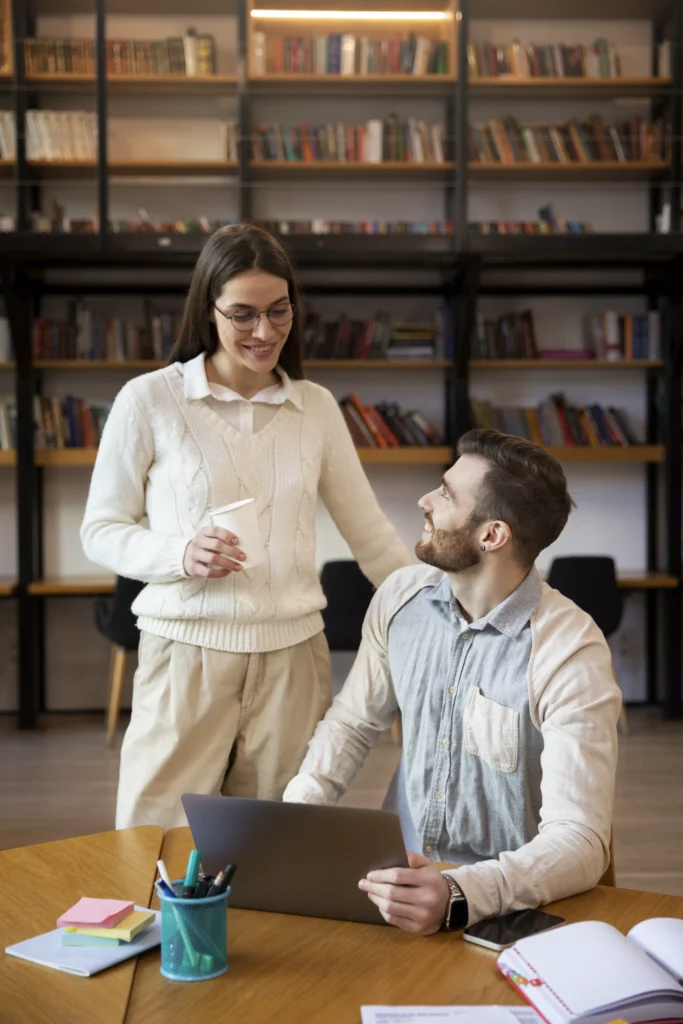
{"x": 348, "y": 594}
{"x": 116, "y": 621}
{"x": 590, "y": 581}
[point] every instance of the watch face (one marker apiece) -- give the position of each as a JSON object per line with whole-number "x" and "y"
{"x": 457, "y": 914}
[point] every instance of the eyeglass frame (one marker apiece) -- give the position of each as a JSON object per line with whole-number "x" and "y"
{"x": 259, "y": 313}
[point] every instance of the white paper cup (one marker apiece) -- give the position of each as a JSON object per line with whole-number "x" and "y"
{"x": 241, "y": 519}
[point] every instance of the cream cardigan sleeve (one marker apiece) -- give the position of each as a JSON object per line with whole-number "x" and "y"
{"x": 351, "y": 501}
{"x": 111, "y": 533}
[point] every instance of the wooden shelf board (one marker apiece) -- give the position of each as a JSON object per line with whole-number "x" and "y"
{"x": 194, "y": 82}
{"x": 565, "y": 364}
{"x": 97, "y": 364}
{"x": 6, "y": 366}
{"x": 56, "y": 586}
{"x": 641, "y": 85}
{"x": 8, "y": 458}
{"x": 309, "y": 364}
{"x": 49, "y": 457}
{"x": 377, "y": 364}
{"x": 592, "y": 169}
{"x": 352, "y": 80}
{"x": 7, "y": 586}
{"x": 646, "y": 581}
{"x": 132, "y": 167}
{"x": 610, "y": 453}
{"x": 351, "y": 167}
{"x": 405, "y": 456}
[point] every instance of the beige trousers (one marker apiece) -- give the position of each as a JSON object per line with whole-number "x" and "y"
{"x": 210, "y": 721}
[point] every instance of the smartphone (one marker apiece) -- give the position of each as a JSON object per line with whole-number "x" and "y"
{"x": 500, "y": 932}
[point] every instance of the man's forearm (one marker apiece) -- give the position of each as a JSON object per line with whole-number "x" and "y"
{"x": 560, "y": 861}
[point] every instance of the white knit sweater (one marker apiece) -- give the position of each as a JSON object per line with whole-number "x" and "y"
{"x": 171, "y": 458}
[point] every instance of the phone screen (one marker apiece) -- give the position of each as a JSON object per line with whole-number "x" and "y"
{"x": 500, "y": 932}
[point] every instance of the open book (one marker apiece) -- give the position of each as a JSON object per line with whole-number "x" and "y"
{"x": 590, "y": 972}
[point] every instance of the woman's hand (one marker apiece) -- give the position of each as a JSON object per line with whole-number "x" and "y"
{"x": 213, "y": 553}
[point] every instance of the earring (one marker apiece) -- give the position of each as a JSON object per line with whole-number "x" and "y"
{"x": 483, "y": 547}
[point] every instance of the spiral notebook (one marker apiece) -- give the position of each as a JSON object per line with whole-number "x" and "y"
{"x": 48, "y": 951}
{"x": 590, "y": 972}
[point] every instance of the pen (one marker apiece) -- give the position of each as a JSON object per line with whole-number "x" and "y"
{"x": 191, "y": 874}
{"x": 201, "y": 889}
{"x": 222, "y": 880}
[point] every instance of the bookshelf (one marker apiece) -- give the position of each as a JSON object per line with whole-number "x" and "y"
{"x": 457, "y": 256}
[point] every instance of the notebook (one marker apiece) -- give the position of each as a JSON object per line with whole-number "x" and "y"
{"x": 590, "y": 972}
{"x": 83, "y": 961}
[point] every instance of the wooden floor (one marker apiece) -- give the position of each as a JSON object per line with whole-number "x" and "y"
{"x": 61, "y": 781}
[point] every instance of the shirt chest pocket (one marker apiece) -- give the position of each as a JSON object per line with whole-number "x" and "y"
{"x": 491, "y": 731}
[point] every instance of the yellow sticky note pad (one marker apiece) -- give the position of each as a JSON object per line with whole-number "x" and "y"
{"x": 125, "y": 930}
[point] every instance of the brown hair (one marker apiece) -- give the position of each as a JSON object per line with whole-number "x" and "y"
{"x": 525, "y": 487}
{"x": 231, "y": 251}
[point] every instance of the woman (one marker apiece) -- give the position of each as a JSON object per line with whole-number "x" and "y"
{"x": 233, "y": 671}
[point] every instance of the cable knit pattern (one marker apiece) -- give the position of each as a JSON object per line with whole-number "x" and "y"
{"x": 173, "y": 459}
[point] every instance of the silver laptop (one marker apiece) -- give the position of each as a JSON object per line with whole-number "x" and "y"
{"x": 295, "y": 858}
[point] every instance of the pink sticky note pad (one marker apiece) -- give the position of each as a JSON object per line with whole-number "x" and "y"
{"x": 99, "y": 913}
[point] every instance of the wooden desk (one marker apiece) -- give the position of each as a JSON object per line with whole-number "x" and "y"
{"x": 37, "y": 884}
{"x": 293, "y": 969}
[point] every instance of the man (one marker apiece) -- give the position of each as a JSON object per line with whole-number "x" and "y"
{"x": 508, "y": 702}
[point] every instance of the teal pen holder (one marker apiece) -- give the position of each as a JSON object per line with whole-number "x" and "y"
{"x": 194, "y": 936}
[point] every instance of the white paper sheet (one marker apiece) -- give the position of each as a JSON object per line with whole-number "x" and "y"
{"x": 449, "y": 1015}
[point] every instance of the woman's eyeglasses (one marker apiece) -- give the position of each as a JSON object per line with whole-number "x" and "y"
{"x": 247, "y": 319}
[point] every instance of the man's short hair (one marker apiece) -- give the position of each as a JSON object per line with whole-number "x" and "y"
{"x": 524, "y": 487}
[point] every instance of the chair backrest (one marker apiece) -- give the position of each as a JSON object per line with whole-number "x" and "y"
{"x": 348, "y": 595}
{"x": 609, "y": 877}
{"x": 590, "y": 581}
{"x": 117, "y": 621}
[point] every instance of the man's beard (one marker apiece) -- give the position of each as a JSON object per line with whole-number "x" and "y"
{"x": 450, "y": 550}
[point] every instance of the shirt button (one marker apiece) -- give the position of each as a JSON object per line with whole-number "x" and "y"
{"x": 451, "y": 689}
{"x": 437, "y": 796}
{"x": 428, "y": 849}
{"x": 444, "y": 743}
{"x": 465, "y": 636}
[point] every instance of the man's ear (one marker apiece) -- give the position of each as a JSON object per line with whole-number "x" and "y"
{"x": 495, "y": 535}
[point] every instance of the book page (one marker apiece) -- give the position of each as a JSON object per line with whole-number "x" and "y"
{"x": 582, "y": 968}
{"x": 662, "y": 939}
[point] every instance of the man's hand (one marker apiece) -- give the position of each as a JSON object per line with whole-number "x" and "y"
{"x": 414, "y": 899}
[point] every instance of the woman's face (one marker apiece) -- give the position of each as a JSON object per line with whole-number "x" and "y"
{"x": 253, "y": 341}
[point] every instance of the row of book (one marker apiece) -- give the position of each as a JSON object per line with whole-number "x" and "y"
{"x": 8, "y": 423}
{"x": 347, "y": 54}
{"x": 61, "y": 135}
{"x": 548, "y": 223}
{"x": 67, "y": 422}
{"x": 608, "y": 336}
{"x": 587, "y": 141}
{"x": 531, "y": 60}
{"x": 387, "y": 425}
{"x": 378, "y": 337}
{"x": 190, "y": 54}
{"x": 615, "y": 336}
{"x": 557, "y": 424}
{"x": 86, "y": 335}
{"x": 376, "y": 141}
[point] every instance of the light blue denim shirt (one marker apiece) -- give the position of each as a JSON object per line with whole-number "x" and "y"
{"x": 469, "y": 784}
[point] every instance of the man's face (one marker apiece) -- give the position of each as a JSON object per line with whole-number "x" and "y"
{"x": 449, "y": 541}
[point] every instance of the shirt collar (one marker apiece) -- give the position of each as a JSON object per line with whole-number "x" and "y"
{"x": 196, "y": 385}
{"x": 511, "y": 615}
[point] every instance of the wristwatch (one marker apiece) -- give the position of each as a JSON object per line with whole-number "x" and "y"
{"x": 457, "y": 910}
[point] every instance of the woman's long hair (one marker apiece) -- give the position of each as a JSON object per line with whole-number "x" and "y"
{"x": 230, "y": 251}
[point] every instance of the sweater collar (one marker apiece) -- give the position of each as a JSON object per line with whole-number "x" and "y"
{"x": 196, "y": 385}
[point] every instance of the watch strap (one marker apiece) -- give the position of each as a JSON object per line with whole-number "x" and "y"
{"x": 457, "y": 910}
